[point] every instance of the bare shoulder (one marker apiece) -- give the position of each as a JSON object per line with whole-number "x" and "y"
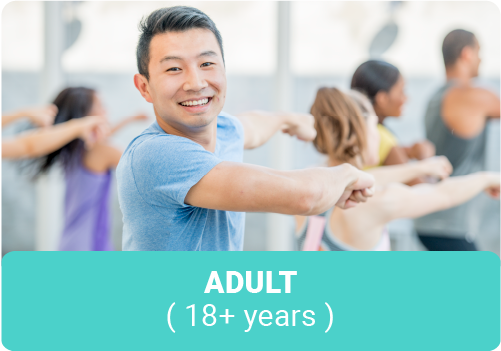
{"x": 467, "y": 94}
{"x": 466, "y": 108}
{"x": 101, "y": 157}
{"x": 102, "y": 147}
{"x": 388, "y": 198}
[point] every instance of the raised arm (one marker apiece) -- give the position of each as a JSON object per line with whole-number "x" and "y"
{"x": 412, "y": 202}
{"x": 42, "y": 116}
{"x": 43, "y": 141}
{"x": 466, "y": 109}
{"x": 260, "y": 126}
{"x": 127, "y": 120}
{"x": 248, "y": 188}
{"x": 490, "y": 102}
{"x": 438, "y": 166}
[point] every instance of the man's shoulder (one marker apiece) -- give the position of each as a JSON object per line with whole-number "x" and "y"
{"x": 227, "y": 122}
{"x": 154, "y": 146}
{"x": 467, "y": 94}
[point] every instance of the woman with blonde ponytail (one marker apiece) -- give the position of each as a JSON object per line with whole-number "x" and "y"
{"x": 347, "y": 132}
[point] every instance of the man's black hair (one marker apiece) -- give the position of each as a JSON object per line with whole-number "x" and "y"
{"x": 454, "y": 43}
{"x": 170, "y": 19}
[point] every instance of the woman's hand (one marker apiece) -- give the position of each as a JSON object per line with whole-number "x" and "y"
{"x": 42, "y": 116}
{"x": 437, "y": 166}
{"x": 493, "y": 187}
{"x": 93, "y": 129}
{"x": 421, "y": 150}
{"x": 301, "y": 125}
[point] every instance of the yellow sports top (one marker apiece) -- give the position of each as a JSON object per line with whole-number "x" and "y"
{"x": 387, "y": 141}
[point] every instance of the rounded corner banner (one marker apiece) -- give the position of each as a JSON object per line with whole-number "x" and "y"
{"x": 251, "y": 301}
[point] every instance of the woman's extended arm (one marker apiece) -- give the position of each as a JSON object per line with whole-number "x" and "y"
{"x": 44, "y": 141}
{"x": 260, "y": 126}
{"x": 438, "y": 166}
{"x": 41, "y": 116}
{"x": 128, "y": 120}
{"x": 402, "y": 201}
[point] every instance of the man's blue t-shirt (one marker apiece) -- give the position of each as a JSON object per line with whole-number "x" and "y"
{"x": 154, "y": 175}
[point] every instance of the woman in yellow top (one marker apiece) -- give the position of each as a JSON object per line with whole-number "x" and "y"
{"x": 383, "y": 84}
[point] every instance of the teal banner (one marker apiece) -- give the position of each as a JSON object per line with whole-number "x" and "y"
{"x": 251, "y": 301}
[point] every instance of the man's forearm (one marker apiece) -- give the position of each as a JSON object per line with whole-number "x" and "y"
{"x": 232, "y": 186}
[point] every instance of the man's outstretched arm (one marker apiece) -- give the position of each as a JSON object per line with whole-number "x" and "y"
{"x": 260, "y": 126}
{"x": 248, "y": 188}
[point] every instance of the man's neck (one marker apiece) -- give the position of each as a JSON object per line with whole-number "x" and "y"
{"x": 459, "y": 73}
{"x": 205, "y": 136}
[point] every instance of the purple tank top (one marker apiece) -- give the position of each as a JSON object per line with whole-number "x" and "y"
{"x": 86, "y": 212}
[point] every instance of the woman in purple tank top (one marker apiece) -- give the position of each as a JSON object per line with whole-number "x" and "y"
{"x": 87, "y": 175}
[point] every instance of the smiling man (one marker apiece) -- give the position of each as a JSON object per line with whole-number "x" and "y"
{"x": 181, "y": 183}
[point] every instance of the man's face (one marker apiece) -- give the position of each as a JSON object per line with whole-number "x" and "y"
{"x": 187, "y": 84}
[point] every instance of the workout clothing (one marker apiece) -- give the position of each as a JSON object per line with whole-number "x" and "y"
{"x": 466, "y": 156}
{"x": 387, "y": 142}
{"x": 434, "y": 243}
{"x": 154, "y": 175}
{"x": 329, "y": 242}
{"x": 86, "y": 210}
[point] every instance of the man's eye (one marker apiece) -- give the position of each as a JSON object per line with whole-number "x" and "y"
{"x": 174, "y": 69}
{"x": 206, "y": 64}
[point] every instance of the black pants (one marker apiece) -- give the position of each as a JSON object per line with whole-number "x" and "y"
{"x": 437, "y": 243}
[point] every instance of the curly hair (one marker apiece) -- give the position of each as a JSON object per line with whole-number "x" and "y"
{"x": 341, "y": 130}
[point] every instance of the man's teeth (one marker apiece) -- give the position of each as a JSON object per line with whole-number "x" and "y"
{"x": 195, "y": 102}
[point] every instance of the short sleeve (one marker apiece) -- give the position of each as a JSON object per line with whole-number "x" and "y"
{"x": 165, "y": 167}
{"x": 235, "y": 122}
{"x": 388, "y": 141}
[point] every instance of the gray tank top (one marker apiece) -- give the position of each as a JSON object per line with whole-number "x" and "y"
{"x": 466, "y": 156}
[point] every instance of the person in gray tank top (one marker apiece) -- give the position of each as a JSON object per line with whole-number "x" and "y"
{"x": 455, "y": 122}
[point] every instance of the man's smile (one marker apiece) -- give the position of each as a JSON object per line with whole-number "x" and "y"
{"x": 196, "y": 102}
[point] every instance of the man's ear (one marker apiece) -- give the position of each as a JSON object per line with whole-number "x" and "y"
{"x": 466, "y": 53}
{"x": 142, "y": 85}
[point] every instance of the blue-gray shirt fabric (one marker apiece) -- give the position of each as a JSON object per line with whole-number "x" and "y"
{"x": 154, "y": 175}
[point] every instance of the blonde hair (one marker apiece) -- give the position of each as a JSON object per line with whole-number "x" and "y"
{"x": 341, "y": 129}
{"x": 362, "y": 102}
